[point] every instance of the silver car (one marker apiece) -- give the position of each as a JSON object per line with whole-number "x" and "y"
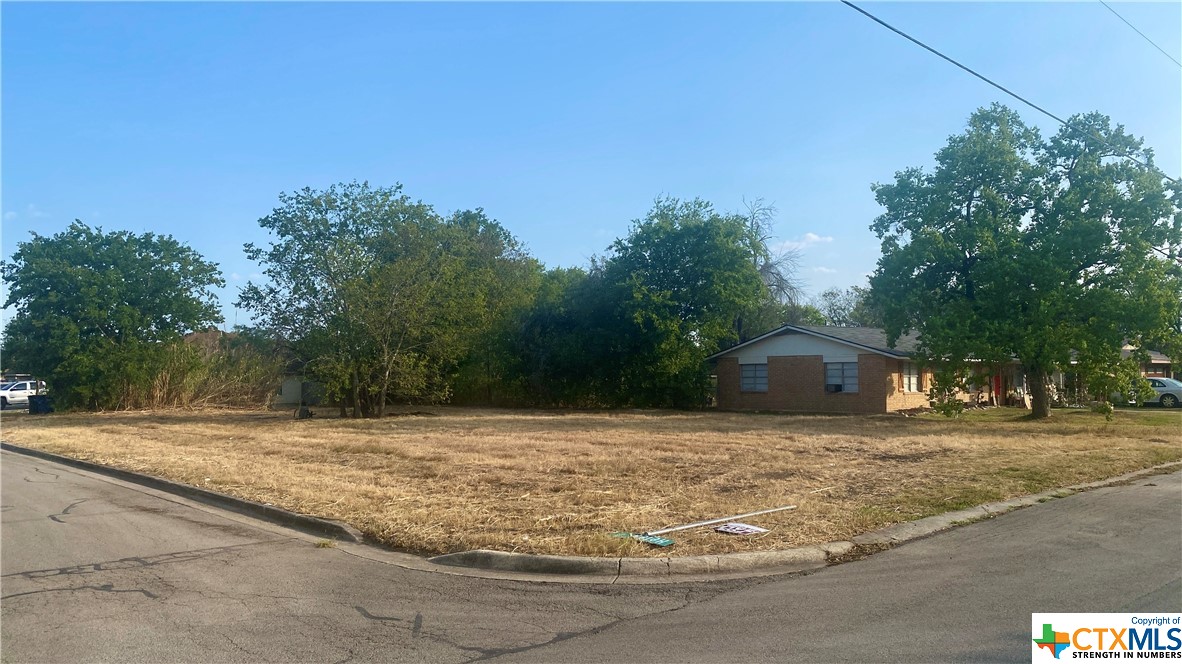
{"x": 1168, "y": 391}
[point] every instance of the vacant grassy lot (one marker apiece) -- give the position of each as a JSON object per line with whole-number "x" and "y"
{"x": 562, "y": 482}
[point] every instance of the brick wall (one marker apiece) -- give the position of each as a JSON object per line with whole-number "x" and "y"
{"x": 896, "y": 398}
{"x": 797, "y": 383}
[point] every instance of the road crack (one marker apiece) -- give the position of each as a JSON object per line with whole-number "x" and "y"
{"x": 65, "y": 512}
{"x": 134, "y": 562}
{"x": 106, "y": 588}
{"x": 55, "y": 477}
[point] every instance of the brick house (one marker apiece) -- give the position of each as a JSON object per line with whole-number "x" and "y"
{"x": 1158, "y": 366}
{"x": 821, "y": 369}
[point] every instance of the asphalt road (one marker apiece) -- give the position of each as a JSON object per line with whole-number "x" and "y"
{"x": 98, "y": 570}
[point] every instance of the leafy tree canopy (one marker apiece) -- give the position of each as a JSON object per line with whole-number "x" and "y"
{"x": 635, "y": 328}
{"x": 678, "y": 283}
{"x": 94, "y": 310}
{"x": 379, "y": 294}
{"x": 1051, "y": 251}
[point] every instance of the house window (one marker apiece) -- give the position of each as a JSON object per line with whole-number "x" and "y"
{"x": 841, "y": 376}
{"x": 753, "y": 377}
{"x": 912, "y": 377}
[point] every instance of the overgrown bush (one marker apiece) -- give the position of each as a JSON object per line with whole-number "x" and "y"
{"x": 1104, "y": 408}
{"x": 205, "y": 369}
{"x": 215, "y": 369}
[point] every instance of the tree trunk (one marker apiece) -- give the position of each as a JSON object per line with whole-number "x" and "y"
{"x": 356, "y": 395}
{"x": 488, "y": 393}
{"x": 1040, "y": 392}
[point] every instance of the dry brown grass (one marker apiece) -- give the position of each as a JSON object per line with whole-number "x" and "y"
{"x": 562, "y": 482}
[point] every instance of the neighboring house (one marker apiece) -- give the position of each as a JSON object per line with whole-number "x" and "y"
{"x": 825, "y": 369}
{"x": 1158, "y": 366}
{"x": 821, "y": 369}
{"x": 1070, "y": 389}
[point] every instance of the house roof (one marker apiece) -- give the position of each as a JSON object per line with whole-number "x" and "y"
{"x": 873, "y": 339}
{"x": 1154, "y": 356}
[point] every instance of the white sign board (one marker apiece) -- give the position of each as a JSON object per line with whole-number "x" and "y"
{"x": 740, "y": 529}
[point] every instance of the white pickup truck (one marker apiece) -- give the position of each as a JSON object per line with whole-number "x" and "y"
{"x": 17, "y": 394}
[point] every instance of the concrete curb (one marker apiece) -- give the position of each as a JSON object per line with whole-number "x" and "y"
{"x": 783, "y": 561}
{"x": 786, "y": 560}
{"x": 301, "y": 522}
{"x": 912, "y": 530}
{"x": 523, "y": 562}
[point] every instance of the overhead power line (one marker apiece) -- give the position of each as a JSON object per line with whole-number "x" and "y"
{"x": 1126, "y": 22}
{"x": 997, "y": 85}
{"x": 913, "y": 40}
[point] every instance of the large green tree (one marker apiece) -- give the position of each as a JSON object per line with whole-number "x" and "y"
{"x": 677, "y": 283}
{"x": 491, "y": 371}
{"x": 381, "y": 296}
{"x": 562, "y": 341}
{"x": 634, "y": 328}
{"x": 1052, "y": 251}
{"x": 97, "y": 313}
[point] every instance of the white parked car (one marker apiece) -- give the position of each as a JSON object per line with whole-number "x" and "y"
{"x": 17, "y": 394}
{"x": 1167, "y": 391}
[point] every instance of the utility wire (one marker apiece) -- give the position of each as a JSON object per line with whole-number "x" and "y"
{"x": 996, "y": 85}
{"x": 1163, "y": 51}
{"x": 913, "y": 40}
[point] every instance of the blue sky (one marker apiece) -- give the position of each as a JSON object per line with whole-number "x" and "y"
{"x": 563, "y": 121}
